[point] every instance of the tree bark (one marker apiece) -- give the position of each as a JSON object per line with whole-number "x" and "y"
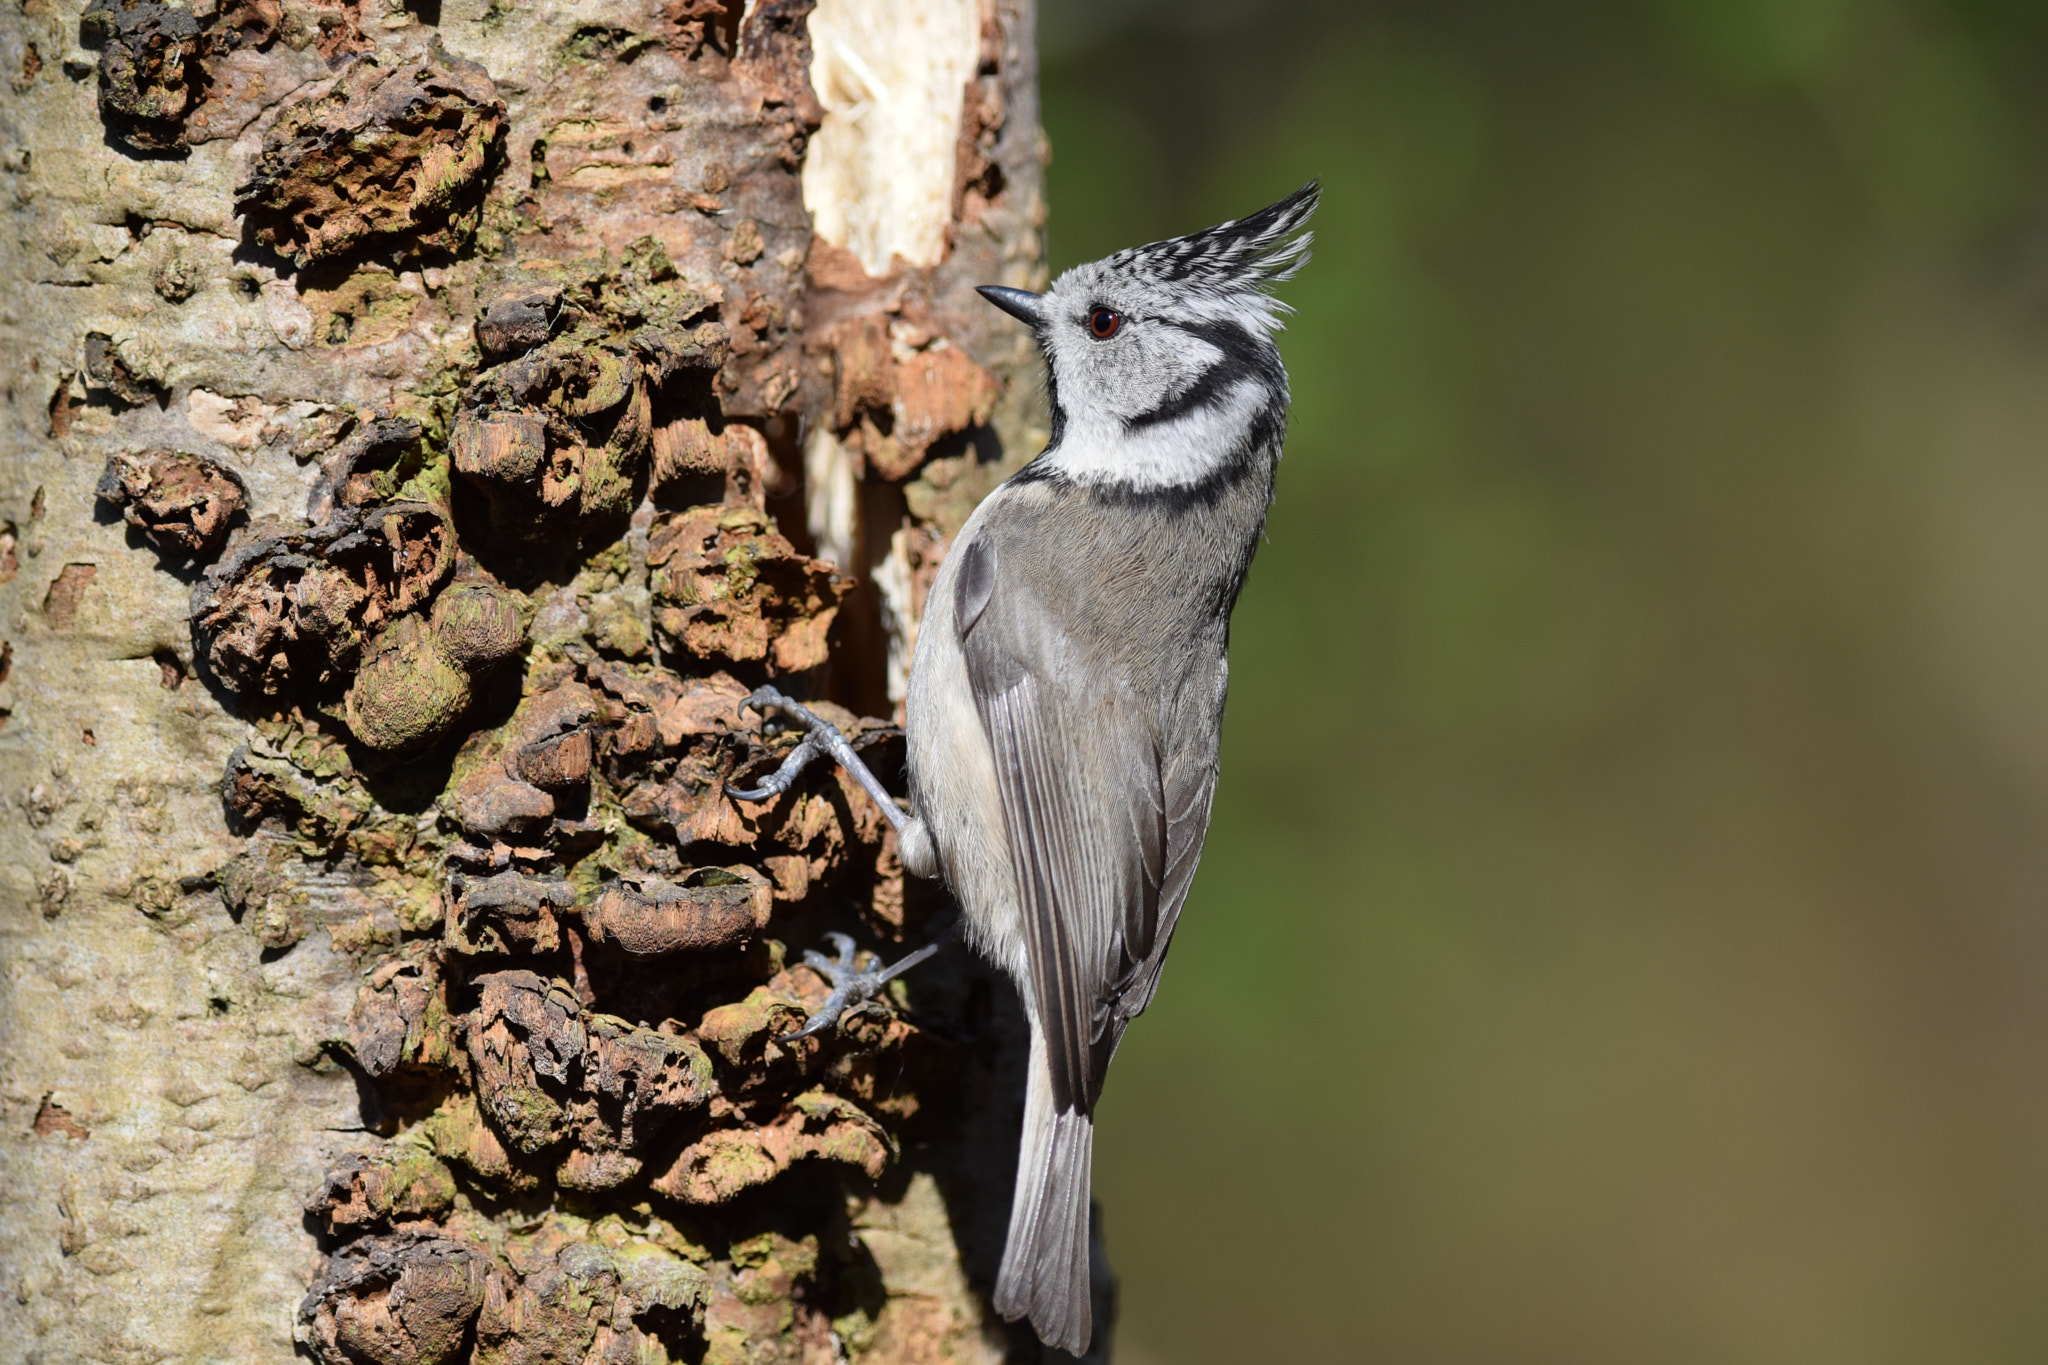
{"x": 424, "y": 427}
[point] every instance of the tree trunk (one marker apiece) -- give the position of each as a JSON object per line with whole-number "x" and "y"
{"x": 425, "y": 426}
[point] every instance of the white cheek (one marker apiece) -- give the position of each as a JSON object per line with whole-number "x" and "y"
{"x": 1096, "y": 448}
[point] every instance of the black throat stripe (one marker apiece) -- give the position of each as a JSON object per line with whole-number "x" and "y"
{"x": 1244, "y": 358}
{"x": 1255, "y": 455}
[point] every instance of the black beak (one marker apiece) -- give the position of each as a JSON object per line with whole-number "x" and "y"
{"x": 1020, "y": 304}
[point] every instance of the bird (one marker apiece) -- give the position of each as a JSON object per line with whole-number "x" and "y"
{"x": 1066, "y": 697}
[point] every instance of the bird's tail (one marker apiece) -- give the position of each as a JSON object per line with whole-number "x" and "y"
{"x": 1045, "y": 1261}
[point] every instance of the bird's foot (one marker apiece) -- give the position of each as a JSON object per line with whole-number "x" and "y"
{"x": 821, "y": 737}
{"x": 817, "y": 740}
{"x": 851, "y": 984}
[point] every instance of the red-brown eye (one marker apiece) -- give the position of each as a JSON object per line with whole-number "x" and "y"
{"x": 1103, "y": 322}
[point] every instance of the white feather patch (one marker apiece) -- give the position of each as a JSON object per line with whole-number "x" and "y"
{"x": 1096, "y": 449}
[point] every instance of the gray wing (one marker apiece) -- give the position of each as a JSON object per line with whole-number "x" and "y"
{"x": 1106, "y": 817}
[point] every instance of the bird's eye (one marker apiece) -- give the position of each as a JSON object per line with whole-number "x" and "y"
{"x": 1104, "y": 322}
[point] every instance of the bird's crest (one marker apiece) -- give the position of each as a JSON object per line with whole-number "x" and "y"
{"x": 1244, "y": 256}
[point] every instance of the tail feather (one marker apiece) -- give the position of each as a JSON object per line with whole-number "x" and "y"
{"x": 1045, "y": 1261}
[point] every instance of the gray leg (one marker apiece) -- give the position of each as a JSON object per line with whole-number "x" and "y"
{"x": 850, "y": 985}
{"x": 822, "y": 737}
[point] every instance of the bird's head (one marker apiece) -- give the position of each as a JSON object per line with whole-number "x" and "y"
{"x": 1160, "y": 359}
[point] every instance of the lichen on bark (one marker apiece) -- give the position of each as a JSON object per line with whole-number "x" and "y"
{"x": 410, "y": 471}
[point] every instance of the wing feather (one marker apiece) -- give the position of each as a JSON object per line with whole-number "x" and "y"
{"x": 1190, "y": 787}
{"x": 1105, "y": 828}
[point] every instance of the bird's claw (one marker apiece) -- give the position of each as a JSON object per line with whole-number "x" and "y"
{"x": 779, "y": 781}
{"x": 770, "y": 699}
{"x": 845, "y": 960}
{"x": 821, "y": 737}
{"x": 850, "y": 984}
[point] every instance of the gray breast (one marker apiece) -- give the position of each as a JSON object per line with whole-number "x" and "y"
{"x": 1143, "y": 587}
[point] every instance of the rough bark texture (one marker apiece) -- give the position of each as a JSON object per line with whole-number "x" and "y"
{"x": 424, "y": 426}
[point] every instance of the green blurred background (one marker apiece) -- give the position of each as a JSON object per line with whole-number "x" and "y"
{"x": 1624, "y": 931}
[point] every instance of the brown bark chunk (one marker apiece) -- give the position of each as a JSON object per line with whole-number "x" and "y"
{"x": 480, "y": 623}
{"x": 149, "y": 69}
{"x": 491, "y": 805}
{"x": 818, "y": 1126}
{"x": 401, "y": 1014}
{"x": 727, "y": 585}
{"x": 555, "y": 438}
{"x": 687, "y": 449}
{"x": 396, "y": 154}
{"x": 295, "y": 608}
{"x": 898, "y": 391}
{"x": 372, "y": 463}
{"x": 509, "y": 912}
{"x": 547, "y": 1071}
{"x": 710, "y": 908}
{"x": 66, "y": 593}
{"x": 402, "y": 1183}
{"x": 407, "y": 691}
{"x": 54, "y": 1118}
{"x": 181, "y": 503}
{"x": 405, "y": 1299}
{"x": 108, "y": 369}
{"x": 517, "y": 319}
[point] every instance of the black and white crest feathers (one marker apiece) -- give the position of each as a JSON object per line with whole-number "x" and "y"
{"x": 1245, "y": 255}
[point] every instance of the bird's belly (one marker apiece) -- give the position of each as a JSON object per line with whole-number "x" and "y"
{"x": 953, "y": 783}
